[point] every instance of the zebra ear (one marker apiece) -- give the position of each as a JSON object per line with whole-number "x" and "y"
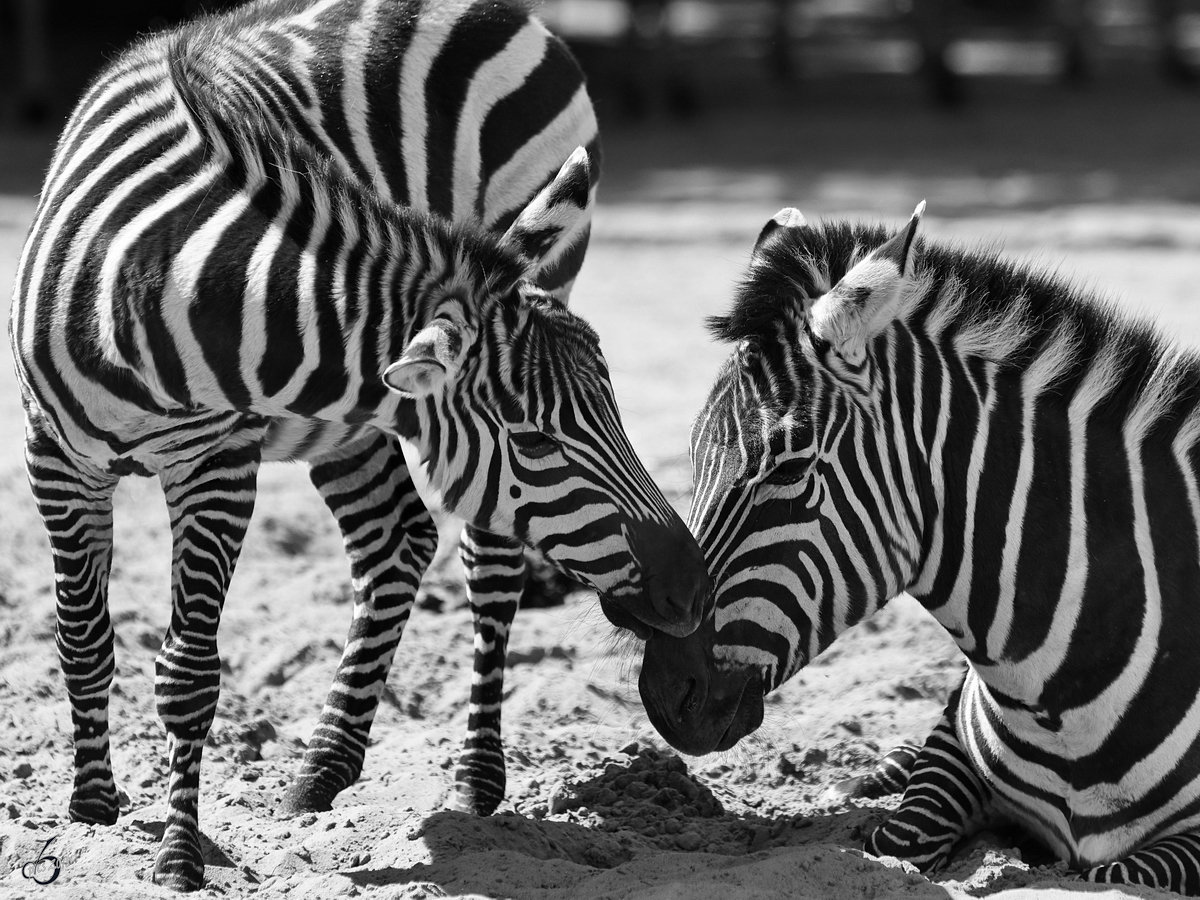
{"x": 431, "y": 359}
{"x": 867, "y": 298}
{"x": 788, "y": 217}
{"x": 557, "y": 218}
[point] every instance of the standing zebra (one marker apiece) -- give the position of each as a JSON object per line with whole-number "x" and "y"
{"x": 461, "y": 109}
{"x": 1019, "y": 457}
{"x": 199, "y": 285}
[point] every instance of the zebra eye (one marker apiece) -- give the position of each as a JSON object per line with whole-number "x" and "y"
{"x": 790, "y": 471}
{"x": 533, "y": 444}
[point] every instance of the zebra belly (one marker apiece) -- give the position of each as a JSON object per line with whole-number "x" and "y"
{"x": 1030, "y": 761}
{"x": 306, "y": 439}
{"x": 150, "y": 443}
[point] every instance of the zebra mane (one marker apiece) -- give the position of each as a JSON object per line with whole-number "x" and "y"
{"x": 982, "y": 306}
{"x": 256, "y": 151}
{"x": 564, "y": 327}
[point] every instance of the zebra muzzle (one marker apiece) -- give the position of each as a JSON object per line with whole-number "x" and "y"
{"x": 676, "y": 590}
{"x": 695, "y": 706}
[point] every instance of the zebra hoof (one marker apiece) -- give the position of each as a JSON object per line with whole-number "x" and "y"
{"x": 179, "y": 880}
{"x": 479, "y": 782}
{"x": 180, "y": 864}
{"x": 322, "y": 777}
{"x": 94, "y": 807}
{"x": 470, "y": 799}
{"x": 313, "y": 791}
{"x": 304, "y": 797}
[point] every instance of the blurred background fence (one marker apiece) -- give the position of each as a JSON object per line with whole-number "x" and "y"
{"x": 685, "y": 56}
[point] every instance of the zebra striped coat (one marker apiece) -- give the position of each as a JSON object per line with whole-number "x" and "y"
{"x": 228, "y": 264}
{"x": 1018, "y": 456}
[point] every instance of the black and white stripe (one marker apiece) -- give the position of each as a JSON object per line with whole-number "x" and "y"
{"x": 243, "y": 252}
{"x": 1018, "y": 456}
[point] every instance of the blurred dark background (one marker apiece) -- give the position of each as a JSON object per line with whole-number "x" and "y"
{"x": 686, "y": 57}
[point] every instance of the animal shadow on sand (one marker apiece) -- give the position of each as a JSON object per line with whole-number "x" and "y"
{"x": 648, "y": 822}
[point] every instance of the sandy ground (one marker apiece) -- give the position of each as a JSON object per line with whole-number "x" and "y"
{"x": 1102, "y": 184}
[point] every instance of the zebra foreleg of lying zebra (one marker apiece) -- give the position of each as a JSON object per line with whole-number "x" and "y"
{"x": 944, "y": 802}
{"x": 495, "y": 573}
{"x": 209, "y": 504}
{"x": 390, "y": 539}
{"x": 1168, "y": 864}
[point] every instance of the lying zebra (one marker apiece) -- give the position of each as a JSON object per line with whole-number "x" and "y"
{"x": 198, "y": 277}
{"x": 900, "y": 416}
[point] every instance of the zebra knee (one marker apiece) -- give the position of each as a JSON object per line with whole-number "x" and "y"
{"x": 495, "y": 573}
{"x": 901, "y": 840}
{"x": 187, "y": 684}
{"x": 1109, "y": 873}
{"x": 1130, "y": 871}
{"x": 882, "y": 842}
{"x": 87, "y": 665}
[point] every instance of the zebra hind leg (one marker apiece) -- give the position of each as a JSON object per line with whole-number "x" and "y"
{"x": 944, "y": 802}
{"x": 1168, "y": 864}
{"x": 390, "y": 539}
{"x": 889, "y": 776}
{"x": 76, "y": 507}
{"x": 210, "y": 505}
{"x": 495, "y": 572}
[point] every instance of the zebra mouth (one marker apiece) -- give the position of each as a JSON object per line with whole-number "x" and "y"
{"x": 745, "y": 717}
{"x": 697, "y": 708}
{"x": 730, "y": 736}
{"x": 697, "y": 728}
{"x": 622, "y": 618}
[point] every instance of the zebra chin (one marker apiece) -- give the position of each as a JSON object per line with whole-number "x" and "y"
{"x": 652, "y": 612}
{"x": 696, "y": 707}
{"x": 673, "y": 593}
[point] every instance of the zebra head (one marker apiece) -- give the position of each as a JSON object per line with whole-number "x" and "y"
{"x": 520, "y": 430}
{"x": 804, "y": 500}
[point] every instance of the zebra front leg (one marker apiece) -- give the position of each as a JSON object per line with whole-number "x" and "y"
{"x": 495, "y": 572}
{"x": 210, "y": 505}
{"x": 944, "y": 802}
{"x": 1168, "y": 864}
{"x": 76, "y": 508}
{"x": 390, "y": 539}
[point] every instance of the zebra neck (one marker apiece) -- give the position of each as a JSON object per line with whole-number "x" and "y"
{"x": 1068, "y": 513}
{"x": 321, "y": 283}
{"x": 980, "y": 475}
{"x": 292, "y": 304}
